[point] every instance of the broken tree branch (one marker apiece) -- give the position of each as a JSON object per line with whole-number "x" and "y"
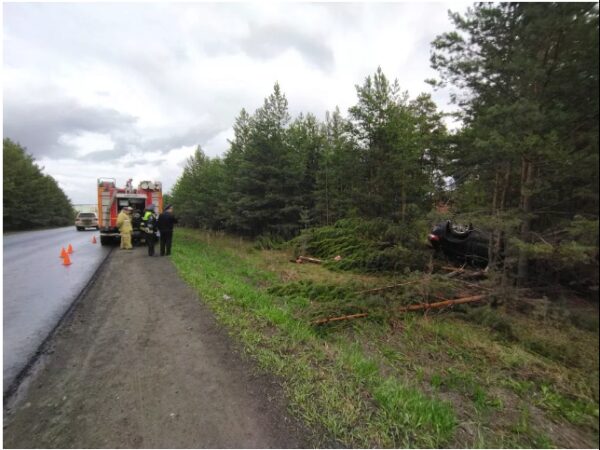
{"x": 426, "y": 306}
{"x": 473, "y": 285}
{"x": 475, "y": 275}
{"x": 308, "y": 259}
{"x": 336, "y": 319}
{"x": 454, "y": 268}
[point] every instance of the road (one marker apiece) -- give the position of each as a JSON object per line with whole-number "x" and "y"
{"x": 141, "y": 363}
{"x": 38, "y": 289}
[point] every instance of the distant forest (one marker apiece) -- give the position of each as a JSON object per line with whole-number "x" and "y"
{"x": 32, "y": 199}
{"x": 523, "y": 165}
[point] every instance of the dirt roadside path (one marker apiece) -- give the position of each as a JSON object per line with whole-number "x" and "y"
{"x": 141, "y": 363}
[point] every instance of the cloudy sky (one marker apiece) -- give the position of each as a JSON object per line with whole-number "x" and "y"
{"x": 129, "y": 90}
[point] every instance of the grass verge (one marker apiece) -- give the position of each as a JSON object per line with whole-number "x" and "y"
{"x": 463, "y": 379}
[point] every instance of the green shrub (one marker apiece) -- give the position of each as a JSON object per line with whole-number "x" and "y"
{"x": 368, "y": 246}
{"x": 268, "y": 242}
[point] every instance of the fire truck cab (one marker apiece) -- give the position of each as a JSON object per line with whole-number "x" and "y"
{"x": 111, "y": 200}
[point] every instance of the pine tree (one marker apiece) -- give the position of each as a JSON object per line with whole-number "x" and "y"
{"x": 267, "y": 193}
{"x": 527, "y": 76}
{"x": 340, "y": 177}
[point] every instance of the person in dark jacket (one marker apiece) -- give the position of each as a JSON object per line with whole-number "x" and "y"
{"x": 166, "y": 221}
{"x": 148, "y": 225}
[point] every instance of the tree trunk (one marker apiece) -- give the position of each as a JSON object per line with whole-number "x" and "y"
{"x": 501, "y": 185}
{"x": 403, "y": 198}
{"x": 526, "y": 190}
{"x": 500, "y": 237}
{"x": 491, "y": 244}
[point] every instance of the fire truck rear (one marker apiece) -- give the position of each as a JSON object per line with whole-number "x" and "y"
{"x": 111, "y": 200}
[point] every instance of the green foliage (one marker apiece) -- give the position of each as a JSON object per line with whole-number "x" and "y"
{"x": 280, "y": 176}
{"x": 525, "y": 77}
{"x": 402, "y": 381}
{"x": 395, "y": 137}
{"x": 268, "y": 242}
{"x": 198, "y": 192}
{"x": 31, "y": 198}
{"x": 523, "y": 164}
{"x": 376, "y": 245}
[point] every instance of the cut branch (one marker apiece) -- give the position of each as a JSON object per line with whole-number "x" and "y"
{"x": 473, "y": 285}
{"x": 445, "y": 303}
{"x": 308, "y": 259}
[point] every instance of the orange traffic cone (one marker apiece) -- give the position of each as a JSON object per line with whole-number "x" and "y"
{"x": 93, "y": 239}
{"x": 70, "y": 249}
{"x": 66, "y": 260}
{"x": 63, "y": 253}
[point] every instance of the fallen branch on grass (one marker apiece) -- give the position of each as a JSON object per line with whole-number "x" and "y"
{"x": 474, "y": 275}
{"x": 454, "y": 271}
{"x": 462, "y": 273}
{"x": 473, "y": 285}
{"x": 443, "y": 304}
{"x": 302, "y": 259}
{"x": 337, "y": 319}
{"x": 453, "y": 268}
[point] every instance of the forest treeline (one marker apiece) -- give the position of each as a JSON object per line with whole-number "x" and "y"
{"x": 32, "y": 199}
{"x": 523, "y": 165}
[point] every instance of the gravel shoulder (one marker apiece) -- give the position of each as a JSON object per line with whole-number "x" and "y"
{"x": 141, "y": 363}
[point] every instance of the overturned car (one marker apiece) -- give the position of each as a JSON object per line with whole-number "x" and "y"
{"x": 459, "y": 243}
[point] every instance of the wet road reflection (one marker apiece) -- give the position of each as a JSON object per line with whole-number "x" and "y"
{"x": 38, "y": 289}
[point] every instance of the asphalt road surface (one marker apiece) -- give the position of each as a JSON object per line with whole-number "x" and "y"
{"x": 141, "y": 363}
{"x": 38, "y": 289}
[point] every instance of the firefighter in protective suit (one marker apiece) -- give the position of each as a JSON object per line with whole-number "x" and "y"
{"x": 125, "y": 228}
{"x": 148, "y": 226}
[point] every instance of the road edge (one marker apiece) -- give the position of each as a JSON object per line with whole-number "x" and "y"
{"x": 19, "y": 385}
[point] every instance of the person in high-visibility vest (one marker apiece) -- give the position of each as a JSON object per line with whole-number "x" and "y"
{"x": 125, "y": 228}
{"x": 148, "y": 226}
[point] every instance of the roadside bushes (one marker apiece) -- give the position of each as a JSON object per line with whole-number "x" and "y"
{"x": 369, "y": 246}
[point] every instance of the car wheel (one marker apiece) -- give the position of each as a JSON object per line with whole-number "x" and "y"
{"x": 79, "y": 228}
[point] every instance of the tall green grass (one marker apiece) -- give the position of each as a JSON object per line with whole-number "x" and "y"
{"x": 331, "y": 384}
{"x": 397, "y": 380}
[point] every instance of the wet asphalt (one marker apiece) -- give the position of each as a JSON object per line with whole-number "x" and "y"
{"x": 38, "y": 289}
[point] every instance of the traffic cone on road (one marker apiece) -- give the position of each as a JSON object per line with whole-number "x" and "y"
{"x": 70, "y": 249}
{"x": 63, "y": 253}
{"x": 93, "y": 239}
{"x": 66, "y": 260}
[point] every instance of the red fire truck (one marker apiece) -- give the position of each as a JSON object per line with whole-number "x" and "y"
{"x": 111, "y": 200}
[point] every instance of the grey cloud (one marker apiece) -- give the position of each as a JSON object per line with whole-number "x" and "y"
{"x": 102, "y": 155}
{"x": 196, "y": 135}
{"x": 38, "y": 125}
{"x": 269, "y": 41}
{"x": 156, "y": 162}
